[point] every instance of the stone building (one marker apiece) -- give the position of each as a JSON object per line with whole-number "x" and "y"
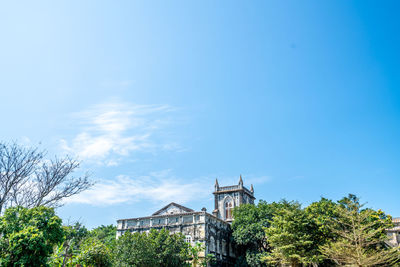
{"x": 394, "y": 233}
{"x": 229, "y": 197}
{"x": 212, "y": 230}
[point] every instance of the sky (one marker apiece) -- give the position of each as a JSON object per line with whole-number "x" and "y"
{"x": 159, "y": 98}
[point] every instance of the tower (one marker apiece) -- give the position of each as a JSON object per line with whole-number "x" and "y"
{"x": 229, "y": 197}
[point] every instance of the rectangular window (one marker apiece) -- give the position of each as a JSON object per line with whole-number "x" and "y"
{"x": 188, "y": 219}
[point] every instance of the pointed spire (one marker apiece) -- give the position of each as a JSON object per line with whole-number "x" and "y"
{"x": 252, "y": 188}
{"x": 241, "y": 180}
{"x": 216, "y": 184}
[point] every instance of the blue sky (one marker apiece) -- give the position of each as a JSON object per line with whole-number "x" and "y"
{"x": 158, "y": 98}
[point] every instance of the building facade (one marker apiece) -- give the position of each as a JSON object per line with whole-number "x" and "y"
{"x": 229, "y": 197}
{"x": 394, "y": 233}
{"x": 212, "y": 230}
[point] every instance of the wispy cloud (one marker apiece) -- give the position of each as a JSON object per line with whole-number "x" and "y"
{"x": 111, "y": 131}
{"x": 160, "y": 187}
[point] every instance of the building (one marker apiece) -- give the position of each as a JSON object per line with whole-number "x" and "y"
{"x": 228, "y": 197}
{"x": 213, "y": 230}
{"x": 394, "y": 233}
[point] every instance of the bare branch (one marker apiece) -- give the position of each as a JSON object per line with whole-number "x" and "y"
{"x": 28, "y": 180}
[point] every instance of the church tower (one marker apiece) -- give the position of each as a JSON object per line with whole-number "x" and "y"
{"x": 229, "y": 197}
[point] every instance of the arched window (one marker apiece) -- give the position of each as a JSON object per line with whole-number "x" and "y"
{"x": 212, "y": 244}
{"x": 224, "y": 247}
{"x": 228, "y": 209}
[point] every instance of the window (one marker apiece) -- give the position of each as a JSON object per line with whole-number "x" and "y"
{"x": 228, "y": 210}
{"x": 212, "y": 244}
{"x": 188, "y": 239}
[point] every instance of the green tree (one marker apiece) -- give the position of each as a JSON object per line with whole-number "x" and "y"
{"x": 248, "y": 231}
{"x": 170, "y": 250}
{"x": 94, "y": 253}
{"x": 157, "y": 248}
{"x": 65, "y": 253}
{"x": 292, "y": 235}
{"x": 361, "y": 236}
{"x": 321, "y": 213}
{"x": 197, "y": 255}
{"x": 27, "y": 236}
{"x": 105, "y": 233}
{"x": 134, "y": 250}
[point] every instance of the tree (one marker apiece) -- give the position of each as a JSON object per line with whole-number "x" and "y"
{"x": 105, "y": 233}
{"x": 170, "y": 250}
{"x": 321, "y": 213}
{"x": 27, "y": 236}
{"x": 65, "y": 253}
{"x": 94, "y": 253}
{"x": 248, "y": 231}
{"x": 28, "y": 179}
{"x": 157, "y": 248}
{"x": 361, "y": 236}
{"x": 134, "y": 250}
{"x": 292, "y": 236}
{"x": 85, "y": 247}
{"x": 195, "y": 253}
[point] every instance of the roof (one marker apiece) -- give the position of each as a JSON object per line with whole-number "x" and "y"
{"x": 233, "y": 188}
{"x": 172, "y": 215}
{"x": 173, "y": 204}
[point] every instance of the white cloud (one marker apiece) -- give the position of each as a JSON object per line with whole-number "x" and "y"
{"x": 160, "y": 187}
{"x": 111, "y": 131}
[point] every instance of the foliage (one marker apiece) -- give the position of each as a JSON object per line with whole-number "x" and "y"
{"x": 170, "y": 250}
{"x": 28, "y": 236}
{"x": 105, "y": 233}
{"x": 321, "y": 213}
{"x": 134, "y": 250}
{"x": 361, "y": 236}
{"x": 66, "y": 252}
{"x": 197, "y": 257}
{"x": 248, "y": 231}
{"x": 292, "y": 235}
{"x": 283, "y": 233}
{"x": 94, "y": 253}
{"x": 157, "y": 248}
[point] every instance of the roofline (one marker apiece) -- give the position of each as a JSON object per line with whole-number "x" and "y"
{"x": 176, "y": 204}
{"x": 174, "y": 215}
{"x": 164, "y": 215}
{"x": 236, "y": 190}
